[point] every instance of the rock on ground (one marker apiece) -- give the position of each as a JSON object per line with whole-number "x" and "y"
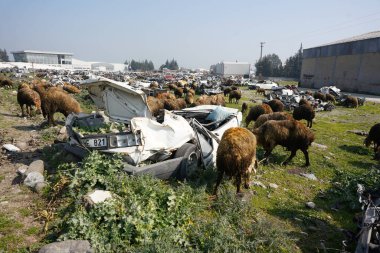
{"x": 33, "y": 178}
{"x": 69, "y": 246}
{"x": 310, "y": 205}
{"x": 36, "y": 166}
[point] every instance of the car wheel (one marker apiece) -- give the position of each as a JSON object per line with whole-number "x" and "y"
{"x": 190, "y": 160}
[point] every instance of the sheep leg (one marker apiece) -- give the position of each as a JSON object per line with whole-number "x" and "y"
{"x": 238, "y": 183}
{"x": 292, "y": 154}
{"x": 218, "y": 181}
{"x": 266, "y": 155}
{"x": 246, "y": 180}
{"x": 22, "y": 110}
{"x": 306, "y": 154}
{"x": 28, "y": 110}
{"x": 51, "y": 121}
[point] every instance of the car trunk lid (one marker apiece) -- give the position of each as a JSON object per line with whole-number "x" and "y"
{"x": 120, "y": 101}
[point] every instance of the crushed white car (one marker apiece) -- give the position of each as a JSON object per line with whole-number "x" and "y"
{"x": 174, "y": 144}
{"x": 265, "y": 84}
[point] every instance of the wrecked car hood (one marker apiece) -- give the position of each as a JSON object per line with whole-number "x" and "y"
{"x": 120, "y": 101}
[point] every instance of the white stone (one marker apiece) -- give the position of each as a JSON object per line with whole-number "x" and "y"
{"x": 77, "y": 246}
{"x": 63, "y": 130}
{"x": 258, "y": 183}
{"x": 320, "y": 146}
{"x": 272, "y": 185}
{"x": 33, "y": 178}
{"x": 11, "y": 148}
{"x": 309, "y": 176}
{"x": 310, "y": 205}
{"x": 98, "y": 196}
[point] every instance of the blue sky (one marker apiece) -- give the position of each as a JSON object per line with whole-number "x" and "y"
{"x": 195, "y": 33}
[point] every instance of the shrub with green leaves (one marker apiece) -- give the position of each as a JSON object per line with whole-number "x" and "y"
{"x": 146, "y": 214}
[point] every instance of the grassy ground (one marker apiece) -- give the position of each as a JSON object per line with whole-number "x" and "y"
{"x": 345, "y": 162}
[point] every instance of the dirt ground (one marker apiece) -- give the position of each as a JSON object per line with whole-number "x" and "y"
{"x": 19, "y": 224}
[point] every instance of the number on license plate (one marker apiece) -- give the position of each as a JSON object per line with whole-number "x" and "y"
{"x": 96, "y": 143}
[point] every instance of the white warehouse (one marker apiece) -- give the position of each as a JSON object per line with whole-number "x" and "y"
{"x": 226, "y": 68}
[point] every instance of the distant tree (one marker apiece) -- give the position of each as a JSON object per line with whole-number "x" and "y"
{"x": 293, "y": 64}
{"x": 172, "y": 65}
{"x": 141, "y": 66}
{"x": 4, "y": 55}
{"x": 269, "y": 65}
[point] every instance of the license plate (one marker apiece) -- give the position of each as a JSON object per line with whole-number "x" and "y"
{"x": 96, "y": 142}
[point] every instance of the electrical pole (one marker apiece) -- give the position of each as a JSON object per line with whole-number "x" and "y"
{"x": 261, "y": 51}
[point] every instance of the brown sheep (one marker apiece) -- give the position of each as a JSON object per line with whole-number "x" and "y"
{"x": 244, "y": 107}
{"x": 23, "y": 85}
{"x": 166, "y": 95}
{"x": 309, "y": 92}
{"x": 234, "y": 94}
{"x": 319, "y": 95}
{"x": 304, "y": 102}
{"x": 178, "y": 92}
{"x": 217, "y": 100}
{"x": 373, "y": 136}
{"x": 235, "y": 156}
{"x": 256, "y": 111}
{"x": 71, "y": 88}
{"x": 260, "y": 91}
{"x": 55, "y": 100}
{"x": 351, "y": 101}
{"x": 227, "y": 91}
{"x": 28, "y": 97}
{"x": 188, "y": 90}
{"x": 172, "y": 86}
{"x": 290, "y": 134}
{"x": 330, "y": 98}
{"x": 189, "y": 99}
{"x": 210, "y": 100}
{"x": 153, "y": 85}
{"x": 234, "y": 88}
{"x": 155, "y": 105}
{"x": 6, "y": 83}
{"x": 276, "y": 105}
{"x": 304, "y": 112}
{"x": 272, "y": 116}
{"x": 174, "y": 104}
{"x": 203, "y": 100}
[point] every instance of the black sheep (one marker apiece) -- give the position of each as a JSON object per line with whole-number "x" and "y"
{"x": 304, "y": 112}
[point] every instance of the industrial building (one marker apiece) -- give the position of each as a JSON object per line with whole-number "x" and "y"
{"x": 43, "y": 57}
{"x": 351, "y": 64}
{"x": 231, "y": 68}
{"x": 48, "y": 60}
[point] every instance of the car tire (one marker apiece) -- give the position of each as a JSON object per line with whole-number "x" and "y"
{"x": 190, "y": 160}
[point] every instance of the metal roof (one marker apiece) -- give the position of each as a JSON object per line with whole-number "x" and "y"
{"x": 366, "y": 36}
{"x": 40, "y": 52}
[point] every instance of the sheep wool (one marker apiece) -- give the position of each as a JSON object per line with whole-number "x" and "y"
{"x": 235, "y": 156}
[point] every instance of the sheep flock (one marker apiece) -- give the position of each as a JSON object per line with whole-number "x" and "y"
{"x": 274, "y": 125}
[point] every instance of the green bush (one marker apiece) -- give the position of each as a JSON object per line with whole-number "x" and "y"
{"x": 151, "y": 215}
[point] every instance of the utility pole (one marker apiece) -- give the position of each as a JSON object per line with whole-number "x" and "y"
{"x": 261, "y": 51}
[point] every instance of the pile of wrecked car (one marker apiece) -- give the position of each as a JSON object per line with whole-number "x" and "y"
{"x": 174, "y": 144}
